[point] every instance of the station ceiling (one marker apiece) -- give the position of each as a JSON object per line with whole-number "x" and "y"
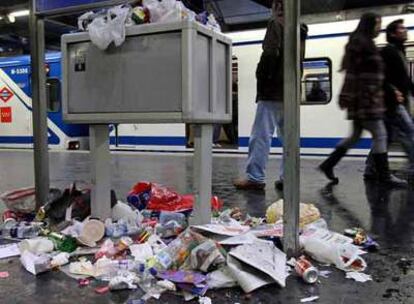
{"x": 232, "y": 14}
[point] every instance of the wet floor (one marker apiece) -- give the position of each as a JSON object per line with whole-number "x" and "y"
{"x": 388, "y": 215}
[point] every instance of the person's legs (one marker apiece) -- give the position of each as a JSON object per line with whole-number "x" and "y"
{"x": 405, "y": 134}
{"x": 259, "y": 146}
{"x": 370, "y": 172}
{"x": 216, "y": 135}
{"x": 379, "y": 152}
{"x": 327, "y": 166}
{"x": 279, "y": 117}
{"x": 261, "y": 140}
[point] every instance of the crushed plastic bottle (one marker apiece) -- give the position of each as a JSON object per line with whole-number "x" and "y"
{"x": 21, "y": 230}
{"x": 121, "y": 228}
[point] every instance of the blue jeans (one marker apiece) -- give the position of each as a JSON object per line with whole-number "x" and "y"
{"x": 269, "y": 116}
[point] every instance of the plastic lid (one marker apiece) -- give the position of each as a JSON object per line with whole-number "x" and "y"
{"x": 141, "y": 268}
{"x": 153, "y": 271}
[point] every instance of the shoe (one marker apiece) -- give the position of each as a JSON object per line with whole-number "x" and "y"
{"x": 384, "y": 175}
{"x": 245, "y": 184}
{"x": 328, "y": 165}
{"x": 279, "y": 185}
{"x": 370, "y": 173}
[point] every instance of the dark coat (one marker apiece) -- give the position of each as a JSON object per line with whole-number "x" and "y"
{"x": 269, "y": 72}
{"x": 396, "y": 75}
{"x": 362, "y": 94}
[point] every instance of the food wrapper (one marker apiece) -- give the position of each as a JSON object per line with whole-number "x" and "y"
{"x": 308, "y": 213}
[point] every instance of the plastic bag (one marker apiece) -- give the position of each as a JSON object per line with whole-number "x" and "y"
{"x": 308, "y": 213}
{"x": 110, "y": 28}
{"x": 168, "y": 11}
{"x": 165, "y": 199}
{"x": 78, "y": 199}
{"x": 20, "y": 200}
{"x": 332, "y": 248}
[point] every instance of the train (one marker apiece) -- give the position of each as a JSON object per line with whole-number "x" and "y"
{"x": 323, "y": 124}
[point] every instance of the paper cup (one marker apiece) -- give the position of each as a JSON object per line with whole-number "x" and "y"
{"x": 93, "y": 231}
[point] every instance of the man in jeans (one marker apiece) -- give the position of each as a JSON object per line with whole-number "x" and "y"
{"x": 269, "y": 112}
{"x": 398, "y": 90}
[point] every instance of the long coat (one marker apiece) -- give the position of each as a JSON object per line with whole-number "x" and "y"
{"x": 362, "y": 94}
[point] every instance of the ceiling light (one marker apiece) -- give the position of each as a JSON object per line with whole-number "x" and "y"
{"x": 21, "y": 13}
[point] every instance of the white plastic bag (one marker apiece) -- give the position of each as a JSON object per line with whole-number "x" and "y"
{"x": 117, "y": 24}
{"x": 99, "y": 33}
{"x": 331, "y": 248}
{"x": 20, "y": 200}
{"x": 168, "y": 11}
{"x": 110, "y": 28}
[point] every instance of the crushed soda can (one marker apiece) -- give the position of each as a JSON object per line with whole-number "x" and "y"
{"x": 84, "y": 282}
{"x": 306, "y": 270}
{"x": 9, "y": 215}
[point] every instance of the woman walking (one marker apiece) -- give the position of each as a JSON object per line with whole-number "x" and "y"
{"x": 362, "y": 97}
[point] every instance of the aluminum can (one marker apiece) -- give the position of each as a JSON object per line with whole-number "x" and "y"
{"x": 306, "y": 270}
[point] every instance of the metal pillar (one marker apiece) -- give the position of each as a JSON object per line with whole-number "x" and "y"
{"x": 100, "y": 171}
{"x": 203, "y": 159}
{"x": 291, "y": 147}
{"x": 40, "y": 134}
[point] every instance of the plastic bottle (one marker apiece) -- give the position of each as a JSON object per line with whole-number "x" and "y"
{"x": 63, "y": 243}
{"x": 20, "y": 230}
{"x": 119, "y": 229}
{"x": 147, "y": 278}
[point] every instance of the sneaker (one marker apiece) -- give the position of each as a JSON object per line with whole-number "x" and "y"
{"x": 245, "y": 184}
{"x": 279, "y": 185}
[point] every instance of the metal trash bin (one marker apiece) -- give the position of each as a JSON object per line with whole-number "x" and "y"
{"x": 162, "y": 73}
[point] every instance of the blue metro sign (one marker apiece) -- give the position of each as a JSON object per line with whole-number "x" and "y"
{"x": 48, "y": 5}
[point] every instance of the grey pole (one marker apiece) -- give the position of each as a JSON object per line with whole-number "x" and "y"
{"x": 291, "y": 147}
{"x": 203, "y": 159}
{"x": 100, "y": 171}
{"x": 40, "y": 134}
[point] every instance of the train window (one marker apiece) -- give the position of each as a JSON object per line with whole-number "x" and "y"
{"x": 317, "y": 81}
{"x": 53, "y": 94}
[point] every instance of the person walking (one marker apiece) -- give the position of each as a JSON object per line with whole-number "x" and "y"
{"x": 362, "y": 96}
{"x": 269, "y": 112}
{"x": 399, "y": 90}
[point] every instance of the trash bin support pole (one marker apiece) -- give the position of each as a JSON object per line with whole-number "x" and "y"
{"x": 203, "y": 161}
{"x": 40, "y": 134}
{"x": 291, "y": 147}
{"x": 100, "y": 171}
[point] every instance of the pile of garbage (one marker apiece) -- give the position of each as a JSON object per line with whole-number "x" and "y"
{"x": 148, "y": 245}
{"x": 108, "y": 26}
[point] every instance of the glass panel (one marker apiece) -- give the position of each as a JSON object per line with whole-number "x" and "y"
{"x": 53, "y": 94}
{"x": 317, "y": 81}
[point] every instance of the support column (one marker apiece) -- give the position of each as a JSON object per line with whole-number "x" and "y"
{"x": 38, "y": 80}
{"x": 203, "y": 162}
{"x": 100, "y": 171}
{"x": 291, "y": 148}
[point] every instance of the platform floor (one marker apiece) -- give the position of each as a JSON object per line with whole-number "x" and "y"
{"x": 387, "y": 214}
